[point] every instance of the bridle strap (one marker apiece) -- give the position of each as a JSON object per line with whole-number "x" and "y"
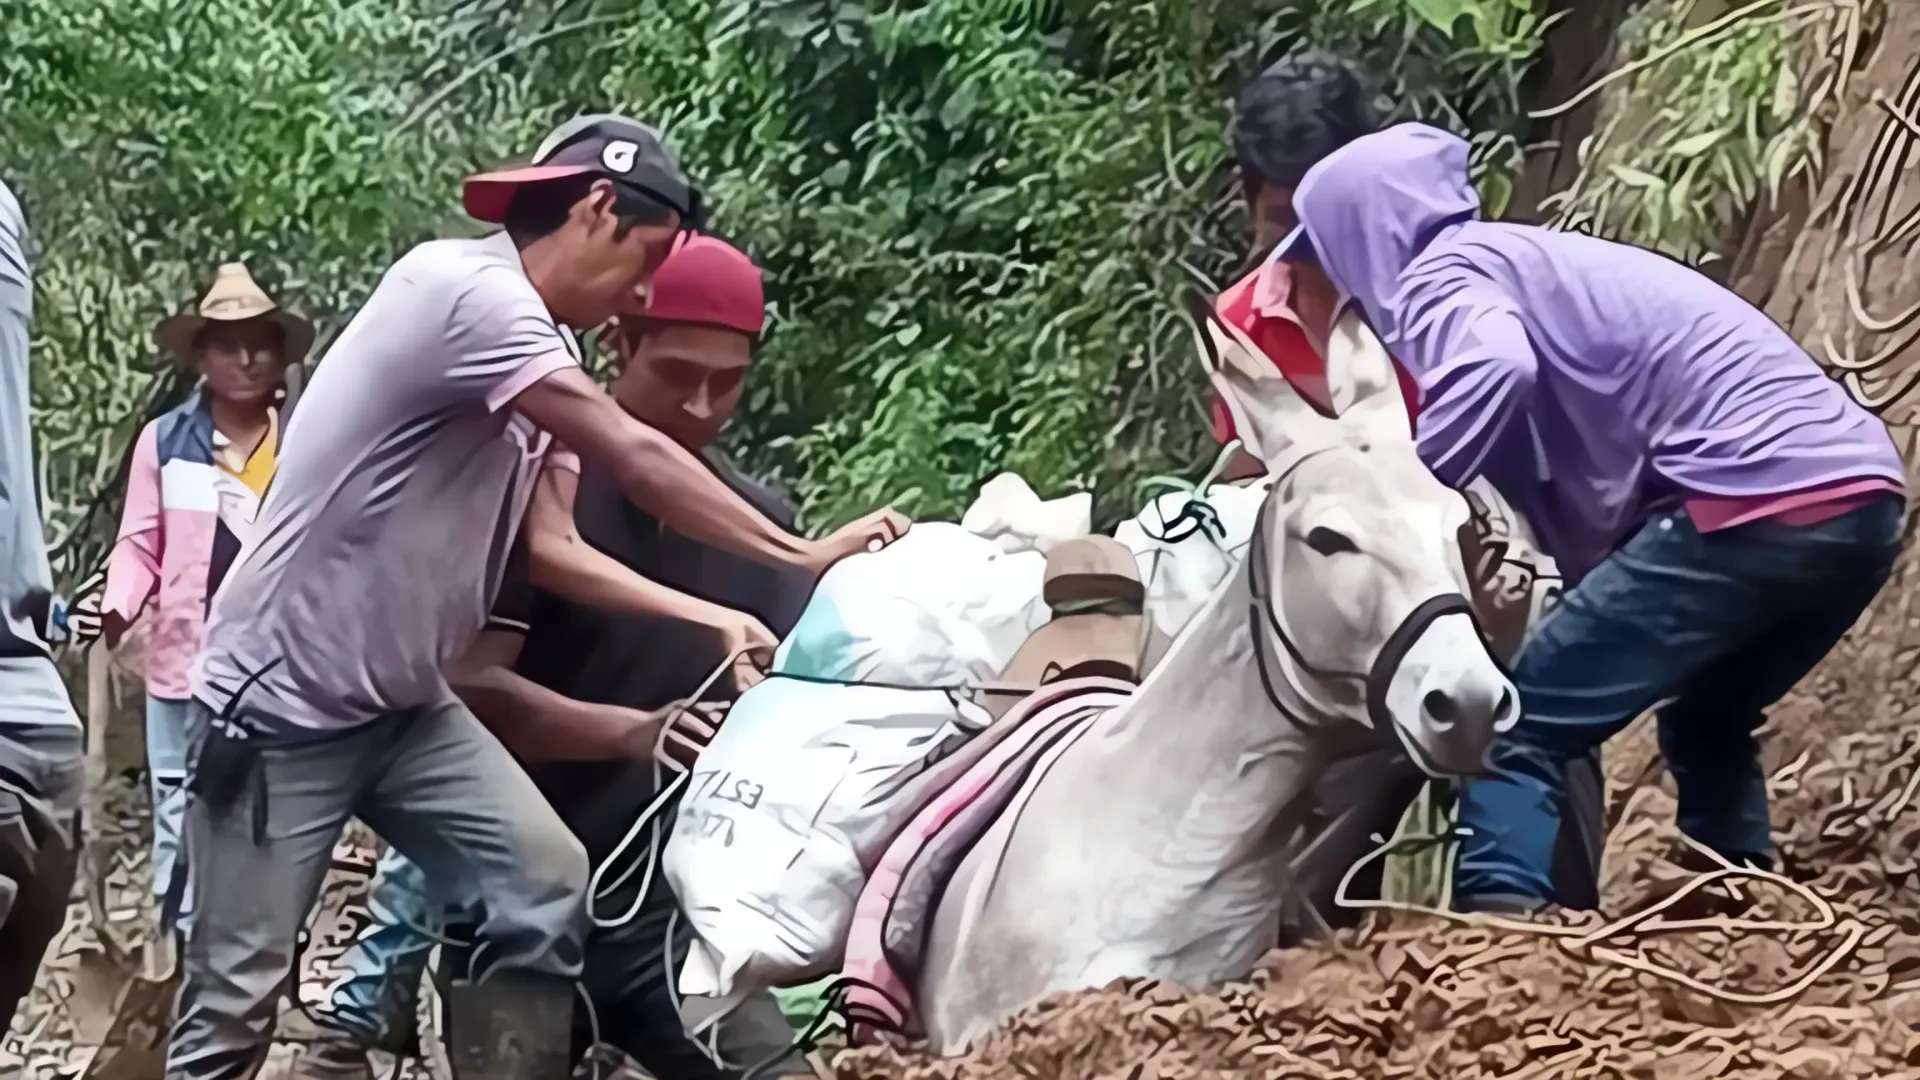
{"x": 1394, "y": 651}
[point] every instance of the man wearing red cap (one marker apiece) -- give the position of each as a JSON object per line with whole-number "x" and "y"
{"x": 577, "y": 692}
{"x": 448, "y": 410}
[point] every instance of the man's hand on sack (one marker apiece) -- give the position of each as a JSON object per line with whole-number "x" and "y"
{"x": 679, "y": 733}
{"x": 751, "y": 645}
{"x": 870, "y": 533}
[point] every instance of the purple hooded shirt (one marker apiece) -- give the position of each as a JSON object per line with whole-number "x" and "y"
{"x": 1593, "y": 383}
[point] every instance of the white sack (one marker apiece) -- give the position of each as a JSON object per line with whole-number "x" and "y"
{"x": 1181, "y": 573}
{"x": 803, "y": 786}
{"x": 1009, "y": 513}
{"x": 939, "y": 607}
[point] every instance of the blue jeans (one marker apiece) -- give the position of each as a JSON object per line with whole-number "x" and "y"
{"x": 1724, "y": 623}
{"x": 378, "y": 999}
{"x": 166, "y": 777}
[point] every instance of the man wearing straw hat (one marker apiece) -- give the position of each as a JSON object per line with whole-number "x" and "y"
{"x": 319, "y": 692}
{"x": 196, "y": 478}
{"x": 41, "y": 765}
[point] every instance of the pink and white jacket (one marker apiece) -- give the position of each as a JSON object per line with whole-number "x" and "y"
{"x": 179, "y": 532}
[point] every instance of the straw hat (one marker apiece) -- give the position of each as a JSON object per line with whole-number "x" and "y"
{"x": 232, "y": 297}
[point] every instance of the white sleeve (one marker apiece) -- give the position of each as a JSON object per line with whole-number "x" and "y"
{"x": 501, "y": 338}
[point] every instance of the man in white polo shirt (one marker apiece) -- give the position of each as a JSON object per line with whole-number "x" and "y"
{"x": 319, "y": 693}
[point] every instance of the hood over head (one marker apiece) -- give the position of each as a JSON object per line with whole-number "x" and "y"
{"x": 1369, "y": 209}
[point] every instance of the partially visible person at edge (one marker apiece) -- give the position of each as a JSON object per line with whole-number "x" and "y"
{"x": 319, "y": 692}
{"x": 1721, "y": 509}
{"x": 41, "y": 765}
{"x": 578, "y": 692}
{"x": 193, "y": 488}
{"x": 1299, "y": 110}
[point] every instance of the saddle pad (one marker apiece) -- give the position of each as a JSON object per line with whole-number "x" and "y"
{"x": 903, "y": 934}
{"x": 894, "y": 914}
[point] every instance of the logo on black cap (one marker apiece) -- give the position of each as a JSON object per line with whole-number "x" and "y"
{"x": 618, "y": 155}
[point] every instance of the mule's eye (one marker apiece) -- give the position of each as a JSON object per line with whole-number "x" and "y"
{"x": 1328, "y": 542}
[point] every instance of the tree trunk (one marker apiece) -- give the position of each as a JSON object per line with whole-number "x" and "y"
{"x": 1579, "y": 48}
{"x": 1837, "y": 262}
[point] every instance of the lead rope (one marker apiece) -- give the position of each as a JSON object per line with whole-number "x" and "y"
{"x": 649, "y": 819}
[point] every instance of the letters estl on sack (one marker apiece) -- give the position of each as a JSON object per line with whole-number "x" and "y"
{"x": 800, "y": 790}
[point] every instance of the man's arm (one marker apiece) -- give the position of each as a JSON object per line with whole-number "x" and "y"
{"x": 659, "y": 475}
{"x": 133, "y": 567}
{"x": 536, "y": 723}
{"x": 506, "y": 352}
{"x": 560, "y": 562}
{"x": 1464, "y": 342}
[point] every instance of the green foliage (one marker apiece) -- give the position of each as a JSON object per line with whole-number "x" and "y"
{"x": 150, "y": 142}
{"x": 975, "y": 246}
{"x": 1707, "y": 120}
{"x": 972, "y": 212}
{"x": 1419, "y": 866}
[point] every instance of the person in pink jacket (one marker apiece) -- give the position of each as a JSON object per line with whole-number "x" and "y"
{"x": 197, "y": 476}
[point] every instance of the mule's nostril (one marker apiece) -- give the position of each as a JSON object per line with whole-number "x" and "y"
{"x": 1507, "y": 713}
{"x": 1441, "y": 709}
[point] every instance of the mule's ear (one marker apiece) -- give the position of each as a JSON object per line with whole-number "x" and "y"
{"x": 1268, "y": 415}
{"x": 1362, "y": 381}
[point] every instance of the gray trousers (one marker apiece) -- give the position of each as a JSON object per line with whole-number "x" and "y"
{"x": 433, "y": 783}
{"x": 42, "y": 773}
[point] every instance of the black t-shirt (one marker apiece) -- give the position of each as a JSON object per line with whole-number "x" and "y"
{"x": 639, "y": 661}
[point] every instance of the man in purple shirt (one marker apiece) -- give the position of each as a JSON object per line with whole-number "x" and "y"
{"x": 1722, "y": 510}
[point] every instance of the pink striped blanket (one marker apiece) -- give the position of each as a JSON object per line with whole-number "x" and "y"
{"x": 894, "y": 916}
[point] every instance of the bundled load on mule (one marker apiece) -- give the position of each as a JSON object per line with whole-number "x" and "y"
{"x": 1008, "y": 757}
{"x": 901, "y": 657}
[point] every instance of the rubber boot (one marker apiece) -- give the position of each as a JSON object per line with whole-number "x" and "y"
{"x": 512, "y": 1026}
{"x": 322, "y": 1051}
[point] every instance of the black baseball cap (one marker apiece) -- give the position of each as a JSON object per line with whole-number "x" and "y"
{"x": 623, "y": 150}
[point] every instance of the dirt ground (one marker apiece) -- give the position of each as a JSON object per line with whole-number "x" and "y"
{"x": 1703, "y": 987}
{"x": 1756, "y": 981}
{"x": 65, "y": 1020}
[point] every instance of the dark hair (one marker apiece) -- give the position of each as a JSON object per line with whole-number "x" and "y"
{"x": 539, "y": 209}
{"x": 1295, "y": 113}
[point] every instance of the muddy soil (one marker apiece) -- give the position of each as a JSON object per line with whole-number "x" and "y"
{"x": 65, "y": 1020}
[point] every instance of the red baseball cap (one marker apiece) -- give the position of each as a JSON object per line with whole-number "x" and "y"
{"x": 625, "y": 151}
{"x": 707, "y": 281}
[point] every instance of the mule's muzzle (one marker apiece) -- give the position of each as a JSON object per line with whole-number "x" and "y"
{"x": 1448, "y": 699}
{"x": 1466, "y": 720}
